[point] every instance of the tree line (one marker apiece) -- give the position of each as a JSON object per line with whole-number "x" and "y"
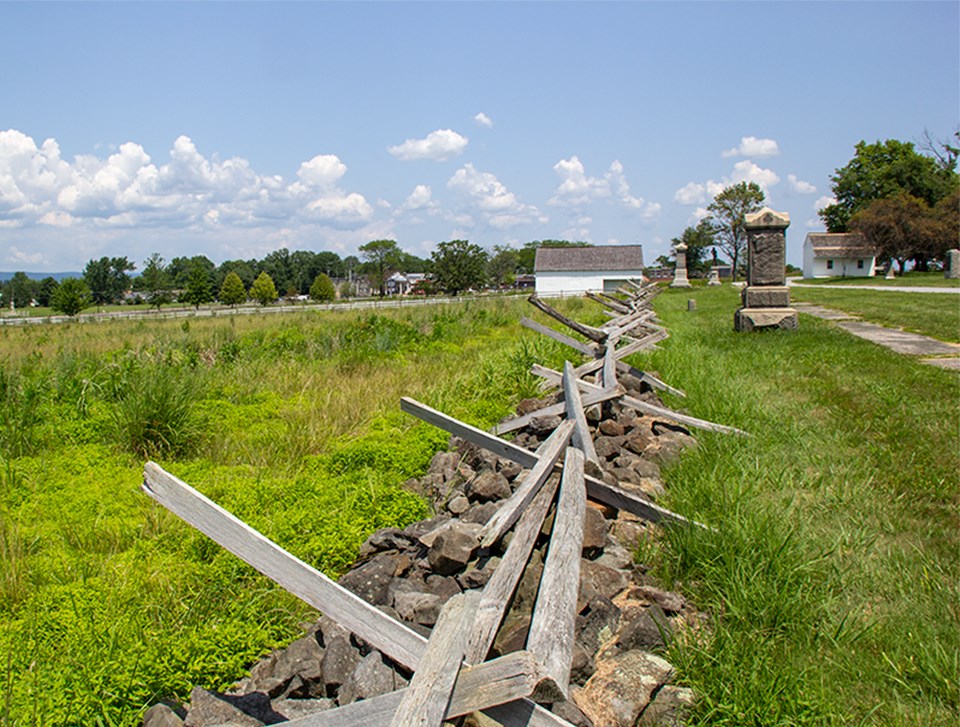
{"x": 453, "y": 267}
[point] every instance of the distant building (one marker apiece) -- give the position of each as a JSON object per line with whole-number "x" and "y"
{"x": 840, "y": 254}
{"x": 574, "y": 270}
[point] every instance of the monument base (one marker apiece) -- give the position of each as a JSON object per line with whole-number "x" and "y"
{"x": 765, "y": 296}
{"x": 680, "y": 280}
{"x": 750, "y": 319}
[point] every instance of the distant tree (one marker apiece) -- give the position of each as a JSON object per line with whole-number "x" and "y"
{"x": 48, "y": 286}
{"x": 902, "y": 227}
{"x": 322, "y": 289}
{"x": 502, "y": 265}
{"x": 945, "y": 152}
{"x": 728, "y": 213}
{"x": 381, "y": 258}
{"x": 198, "y": 289}
{"x": 278, "y": 265}
{"x": 107, "y": 279}
{"x": 882, "y": 170}
{"x": 232, "y": 291}
{"x": 21, "y": 289}
{"x": 528, "y": 252}
{"x": 409, "y": 263}
{"x": 181, "y": 269}
{"x": 347, "y": 290}
{"x": 459, "y": 265}
{"x": 246, "y": 270}
{"x": 263, "y": 290}
{"x": 155, "y": 282}
{"x": 698, "y": 240}
{"x": 71, "y": 297}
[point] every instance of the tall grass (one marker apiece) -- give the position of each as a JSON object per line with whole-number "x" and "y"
{"x": 109, "y": 603}
{"x": 830, "y": 584}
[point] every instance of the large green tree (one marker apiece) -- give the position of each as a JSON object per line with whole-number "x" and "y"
{"x": 263, "y": 289}
{"x": 155, "y": 281}
{"x": 882, "y": 170}
{"x": 48, "y": 286}
{"x": 727, "y": 218}
{"x": 107, "y": 279}
{"x": 381, "y": 258}
{"x": 198, "y": 289}
{"x": 323, "y": 289}
{"x": 502, "y": 265}
{"x": 71, "y": 297}
{"x": 232, "y": 292}
{"x": 459, "y": 265}
{"x": 20, "y": 289}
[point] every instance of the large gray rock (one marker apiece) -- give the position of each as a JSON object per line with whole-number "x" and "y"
{"x": 669, "y": 708}
{"x": 339, "y": 660}
{"x": 595, "y": 529}
{"x": 208, "y": 709}
{"x": 599, "y": 580}
{"x": 487, "y": 486}
{"x": 644, "y": 628}
{"x": 417, "y": 607}
{"x": 621, "y": 688}
{"x": 160, "y": 715}
{"x": 272, "y": 675}
{"x": 372, "y": 677}
{"x": 371, "y": 580}
{"x": 386, "y": 539}
{"x": 453, "y": 548}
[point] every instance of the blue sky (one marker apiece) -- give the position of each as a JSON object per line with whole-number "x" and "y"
{"x": 235, "y": 129}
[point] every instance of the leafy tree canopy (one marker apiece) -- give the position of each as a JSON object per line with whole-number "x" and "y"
{"x": 459, "y": 265}
{"x": 107, "y": 278}
{"x": 528, "y": 252}
{"x": 198, "y": 289}
{"x": 232, "y": 292}
{"x": 502, "y": 265}
{"x": 155, "y": 281}
{"x": 48, "y": 286}
{"x": 727, "y": 219}
{"x": 882, "y": 170}
{"x": 382, "y": 258}
{"x": 322, "y": 289}
{"x": 263, "y": 290}
{"x": 71, "y": 297}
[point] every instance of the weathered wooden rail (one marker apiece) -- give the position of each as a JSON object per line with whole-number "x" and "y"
{"x": 451, "y": 673}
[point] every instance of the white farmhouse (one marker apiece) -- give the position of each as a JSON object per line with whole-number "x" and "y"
{"x": 575, "y": 270}
{"x": 839, "y": 254}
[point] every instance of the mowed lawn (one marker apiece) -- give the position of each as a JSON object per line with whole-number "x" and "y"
{"x": 931, "y": 314}
{"x": 830, "y": 585}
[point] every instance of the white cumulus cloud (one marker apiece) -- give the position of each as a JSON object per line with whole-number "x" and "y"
{"x": 486, "y": 196}
{"x": 692, "y": 193}
{"x": 824, "y": 201}
{"x": 483, "y": 120}
{"x": 439, "y": 146}
{"x": 751, "y": 146}
{"x": 799, "y": 186}
{"x": 577, "y": 188}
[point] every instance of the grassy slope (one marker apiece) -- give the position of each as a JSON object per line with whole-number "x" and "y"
{"x": 108, "y": 602}
{"x": 931, "y": 314}
{"x": 926, "y": 280}
{"x": 831, "y": 583}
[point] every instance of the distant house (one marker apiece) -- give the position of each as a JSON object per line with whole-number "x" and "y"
{"x": 840, "y": 254}
{"x": 403, "y": 283}
{"x": 573, "y": 270}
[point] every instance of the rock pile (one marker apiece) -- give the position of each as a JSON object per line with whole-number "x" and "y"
{"x": 624, "y": 618}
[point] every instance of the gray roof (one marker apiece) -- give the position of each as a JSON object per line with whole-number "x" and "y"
{"x": 840, "y": 244}
{"x": 589, "y": 259}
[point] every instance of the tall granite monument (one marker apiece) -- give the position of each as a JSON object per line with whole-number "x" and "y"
{"x": 766, "y": 298}
{"x": 680, "y": 272}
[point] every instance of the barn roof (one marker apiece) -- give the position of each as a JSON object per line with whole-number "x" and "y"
{"x": 840, "y": 244}
{"x": 589, "y": 259}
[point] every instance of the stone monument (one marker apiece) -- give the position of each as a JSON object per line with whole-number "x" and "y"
{"x": 890, "y": 273}
{"x": 680, "y": 273}
{"x": 952, "y": 268}
{"x": 714, "y": 278}
{"x": 766, "y": 298}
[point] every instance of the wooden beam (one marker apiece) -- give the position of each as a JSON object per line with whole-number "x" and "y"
{"x": 511, "y": 508}
{"x": 391, "y": 637}
{"x": 612, "y": 304}
{"x": 481, "y": 687}
{"x": 584, "y": 348}
{"x": 552, "y": 632}
{"x": 574, "y": 407}
{"x": 556, "y": 409}
{"x": 652, "y": 380}
{"x": 500, "y": 447}
{"x": 594, "y": 334}
{"x": 381, "y": 631}
{"x": 503, "y": 582}
{"x": 609, "y": 375}
{"x": 648, "y": 341}
{"x": 426, "y": 699}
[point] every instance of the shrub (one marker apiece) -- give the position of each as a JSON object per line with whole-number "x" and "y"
{"x": 322, "y": 289}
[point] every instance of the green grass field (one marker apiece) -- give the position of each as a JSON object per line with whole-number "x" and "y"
{"x": 909, "y": 279}
{"x": 931, "y": 314}
{"x": 829, "y": 587}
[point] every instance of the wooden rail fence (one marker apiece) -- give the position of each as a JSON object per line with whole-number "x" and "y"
{"x": 451, "y": 673}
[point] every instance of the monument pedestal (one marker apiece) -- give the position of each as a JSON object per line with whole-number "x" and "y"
{"x": 750, "y": 319}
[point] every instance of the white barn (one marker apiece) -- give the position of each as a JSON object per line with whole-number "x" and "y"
{"x": 838, "y": 254}
{"x": 574, "y": 270}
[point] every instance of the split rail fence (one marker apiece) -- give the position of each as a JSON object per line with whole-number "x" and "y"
{"x": 451, "y": 673}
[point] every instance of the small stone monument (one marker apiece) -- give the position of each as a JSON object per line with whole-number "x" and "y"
{"x": 766, "y": 298}
{"x": 680, "y": 273}
{"x": 714, "y": 278}
{"x": 952, "y": 269}
{"x": 890, "y": 274}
